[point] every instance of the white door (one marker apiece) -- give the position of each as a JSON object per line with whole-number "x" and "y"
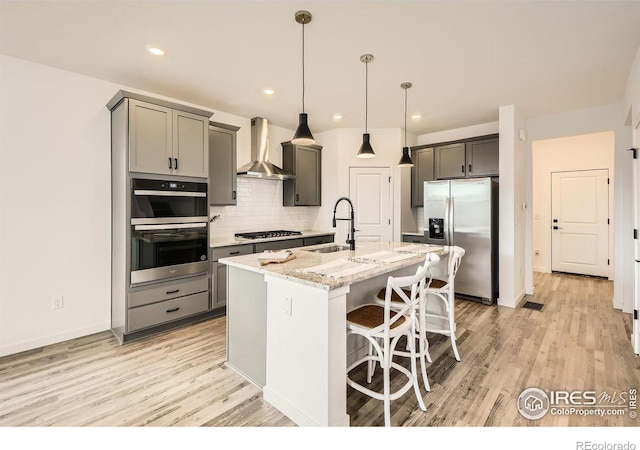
{"x": 370, "y": 192}
{"x": 636, "y": 226}
{"x": 579, "y": 228}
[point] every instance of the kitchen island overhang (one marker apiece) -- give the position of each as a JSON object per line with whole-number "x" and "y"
{"x": 286, "y": 324}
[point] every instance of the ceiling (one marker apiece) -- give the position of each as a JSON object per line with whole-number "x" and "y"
{"x": 465, "y": 59}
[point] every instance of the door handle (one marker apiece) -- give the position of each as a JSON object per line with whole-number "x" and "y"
{"x": 233, "y": 195}
{"x": 170, "y": 164}
{"x": 470, "y": 168}
{"x": 176, "y": 164}
{"x": 462, "y": 168}
{"x": 556, "y": 227}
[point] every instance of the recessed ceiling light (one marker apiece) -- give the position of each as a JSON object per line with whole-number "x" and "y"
{"x": 269, "y": 91}
{"x": 156, "y": 51}
{"x": 337, "y": 116}
{"x": 416, "y": 116}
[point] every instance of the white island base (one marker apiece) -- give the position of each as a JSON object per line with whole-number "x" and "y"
{"x": 297, "y": 342}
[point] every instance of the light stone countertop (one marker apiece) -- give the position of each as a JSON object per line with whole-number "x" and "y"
{"x": 226, "y": 242}
{"x": 305, "y": 259}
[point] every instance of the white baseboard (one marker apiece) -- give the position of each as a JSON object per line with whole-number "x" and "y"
{"x": 23, "y": 346}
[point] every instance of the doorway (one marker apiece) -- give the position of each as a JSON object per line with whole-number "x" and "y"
{"x": 370, "y": 192}
{"x": 580, "y": 222}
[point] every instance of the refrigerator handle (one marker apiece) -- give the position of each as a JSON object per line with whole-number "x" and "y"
{"x": 450, "y": 221}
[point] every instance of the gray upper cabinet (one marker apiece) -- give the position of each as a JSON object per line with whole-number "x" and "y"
{"x": 222, "y": 164}
{"x": 421, "y": 171}
{"x": 167, "y": 141}
{"x": 450, "y": 161}
{"x": 150, "y": 138}
{"x": 482, "y": 158}
{"x": 305, "y": 162}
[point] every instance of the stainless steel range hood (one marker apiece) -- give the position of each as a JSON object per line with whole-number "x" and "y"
{"x": 260, "y": 167}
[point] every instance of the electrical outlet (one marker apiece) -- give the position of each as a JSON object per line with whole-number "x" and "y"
{"x": 57, "y": 302}
{"x": 286, "y": 306}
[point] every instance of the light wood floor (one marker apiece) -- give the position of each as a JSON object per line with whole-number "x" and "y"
{"x": 179, "y": 378}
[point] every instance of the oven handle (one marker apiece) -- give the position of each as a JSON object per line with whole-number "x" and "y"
{"x": 169, "y": 226}
{"x": 169, "y": 193}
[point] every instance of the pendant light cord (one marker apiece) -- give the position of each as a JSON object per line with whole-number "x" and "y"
{"x": 405, "y": 117}
{"x": 366, "y": 96}
{"x": 303, "y": 67}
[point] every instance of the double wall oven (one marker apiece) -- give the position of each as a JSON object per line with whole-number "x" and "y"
{"x": 169, "y": 230}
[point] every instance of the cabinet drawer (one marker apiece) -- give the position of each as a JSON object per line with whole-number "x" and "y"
{"x": 278, "y": 245}
{"x": 234, "y": 250}
{"x": 318, "y": 240}
{"x": 168, "y": 291}
{"x": 167, "y": 311}
{"x": 412, "y": 238}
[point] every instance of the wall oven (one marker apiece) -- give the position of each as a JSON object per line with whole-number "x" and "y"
{"x": 169, "y": 230}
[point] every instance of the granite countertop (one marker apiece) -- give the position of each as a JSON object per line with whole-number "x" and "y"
{"x": 292, "y": 270}
{"x": 226, "y": 242}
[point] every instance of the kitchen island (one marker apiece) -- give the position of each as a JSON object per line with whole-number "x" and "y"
{"x": 286, "y": 323}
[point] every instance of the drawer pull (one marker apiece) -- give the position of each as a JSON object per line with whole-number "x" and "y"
{"x": 173, "y": 292}
{"x": 235, "y": 253}
{"x": 172, "y": 310}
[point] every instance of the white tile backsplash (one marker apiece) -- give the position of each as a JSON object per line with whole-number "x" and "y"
{"x": 260, "y": 208}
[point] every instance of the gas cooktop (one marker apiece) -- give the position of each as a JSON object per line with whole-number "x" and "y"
{"x": 267, "y": 234}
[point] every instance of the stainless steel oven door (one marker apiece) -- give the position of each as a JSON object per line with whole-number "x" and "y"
{"x": 161, "y": 201}
{"x": 165, "y": 251}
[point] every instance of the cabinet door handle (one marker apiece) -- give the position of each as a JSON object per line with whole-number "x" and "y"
{"x": 174, "y": 291}
{"x": 233, "y": 195}
{"x": 172, "y": 310}
{"x": 470, "y": 168}
{"x": 462, "y": 168}
{"x": 297, "y": 197}
{"x": 235, "y": 253}
{"x": 170, "y": 164}
{"x": 176, "y": 164}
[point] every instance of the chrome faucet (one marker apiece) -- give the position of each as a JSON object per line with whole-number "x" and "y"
{"x": 352, "y": 241}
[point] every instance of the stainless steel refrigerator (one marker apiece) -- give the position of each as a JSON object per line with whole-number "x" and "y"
{"x": 464, "y": 212}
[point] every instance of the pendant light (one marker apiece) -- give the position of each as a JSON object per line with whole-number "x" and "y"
{"x": 303, "y": 134}
{"x": 366, "y": 151}
{"x": 405, "y": 160}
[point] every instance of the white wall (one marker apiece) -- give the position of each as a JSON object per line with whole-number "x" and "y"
{"x": 512, "y": 204}
{"x": 459, "y": 133}
{"x": 54, "y": 204}
{"x": 580, "y": 122}
{"x": 632, "y": 93}
{"x": 584, "y": 152}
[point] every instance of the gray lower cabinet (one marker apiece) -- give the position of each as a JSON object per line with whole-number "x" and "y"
{"x": 413, "y": 238}
{"x": 450, "y": 161}
{"x": 219, "y": 271}
{"x": 222, "y": 164}
{"x": 162, "y": 303}
{"x": 421, "y": 171}
{"x": 304, "y": 161}
{"x": 318, "y": 240}
{"x": 278, "y": 245}
{"x": 482, "y": 158}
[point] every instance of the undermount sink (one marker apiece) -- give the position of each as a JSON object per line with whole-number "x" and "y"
{"x": 330, "y": 249}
